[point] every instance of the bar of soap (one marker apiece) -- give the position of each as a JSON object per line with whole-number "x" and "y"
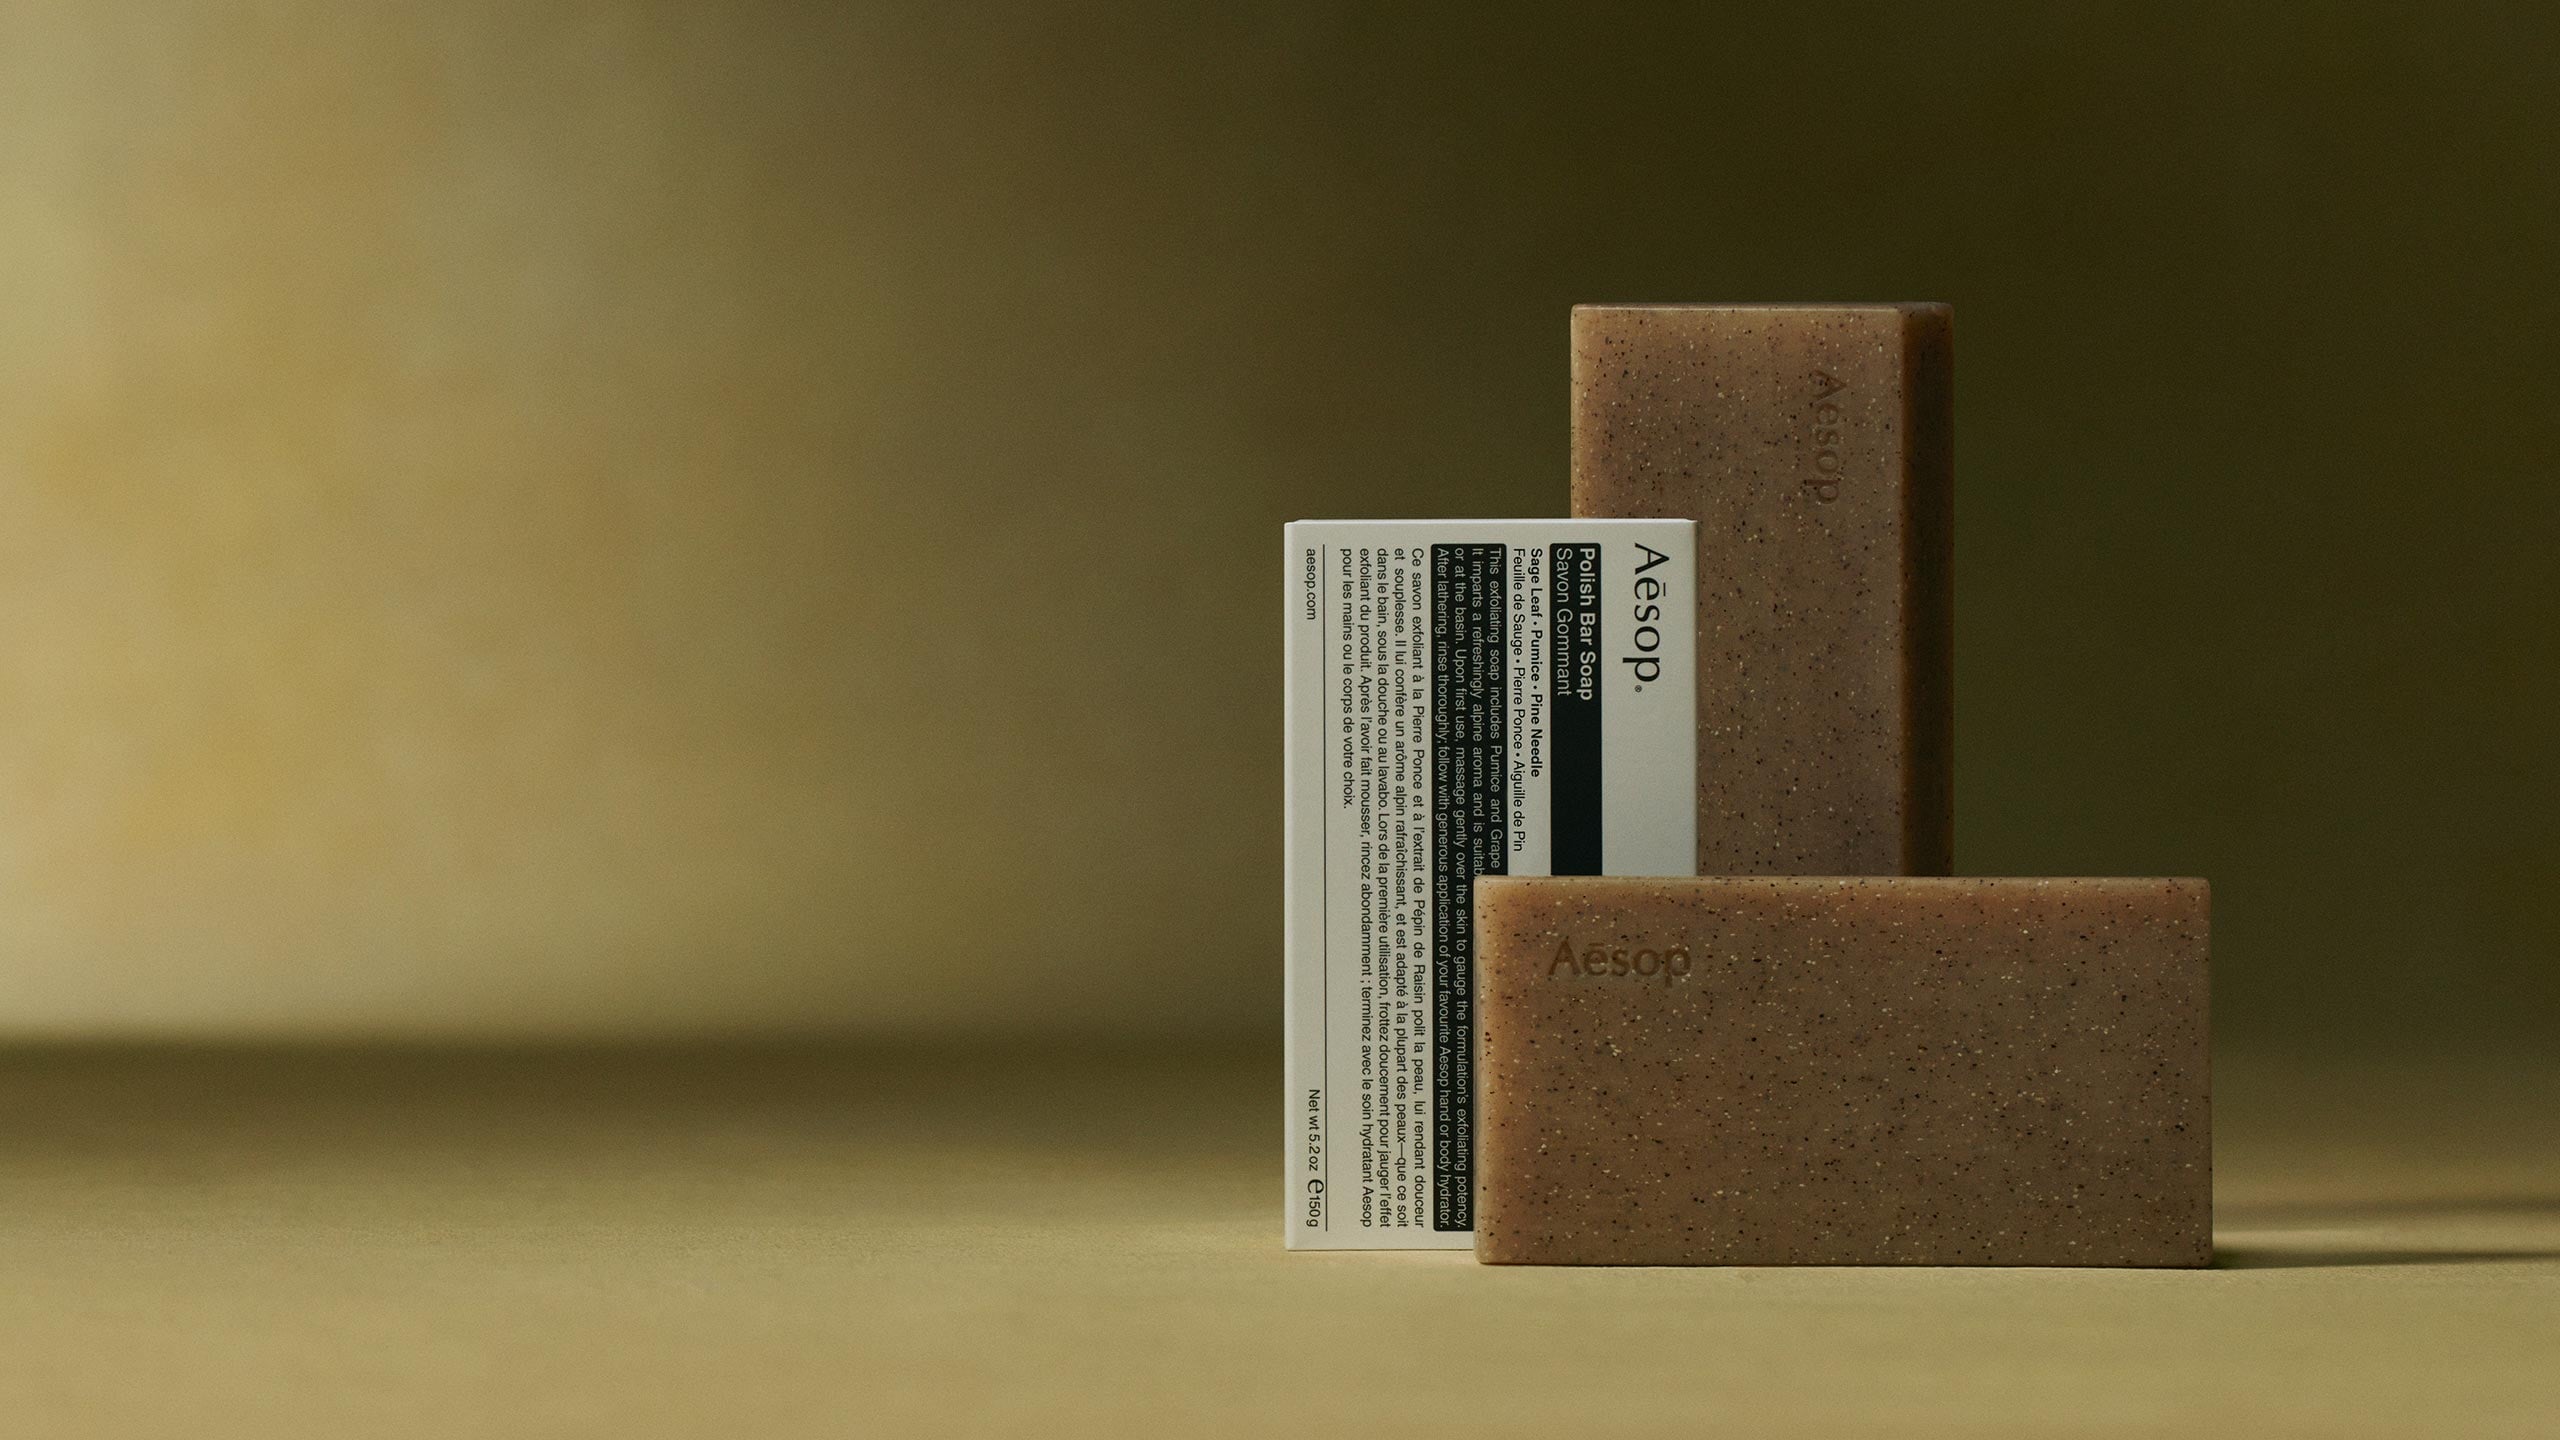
{"x": 1843, "y": 1071}
{"x": 1814, "y": 446}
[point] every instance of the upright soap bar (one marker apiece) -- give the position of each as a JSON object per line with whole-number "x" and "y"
{"x": 1842, "y": 1071}
{"x": 1814, "y": 446}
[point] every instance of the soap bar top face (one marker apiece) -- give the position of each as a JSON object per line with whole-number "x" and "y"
{"x": 1814, "y": 446}
{"x": 1859, "y": 1071}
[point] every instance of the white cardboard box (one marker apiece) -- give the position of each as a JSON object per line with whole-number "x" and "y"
{"x": 1465, "y": 697}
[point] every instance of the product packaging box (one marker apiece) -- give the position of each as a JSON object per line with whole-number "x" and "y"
{"x": 1465, "y": 698}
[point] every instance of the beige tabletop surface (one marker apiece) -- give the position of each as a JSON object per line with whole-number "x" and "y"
{"x": 1040, "y": 1241}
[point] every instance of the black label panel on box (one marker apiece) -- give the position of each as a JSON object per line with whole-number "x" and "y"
{"x": 1573, "y": 687}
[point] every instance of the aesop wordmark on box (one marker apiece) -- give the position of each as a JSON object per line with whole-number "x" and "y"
{"x": 1465, "y": 698}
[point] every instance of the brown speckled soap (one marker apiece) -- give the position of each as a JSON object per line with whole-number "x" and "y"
{"x": 1814, "y": 446}
{"x": 1842, "y": 1071}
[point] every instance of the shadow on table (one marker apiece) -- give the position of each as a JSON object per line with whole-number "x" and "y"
{"x": 2404, "y": 1207}
{"x": 2269, "y": 1257}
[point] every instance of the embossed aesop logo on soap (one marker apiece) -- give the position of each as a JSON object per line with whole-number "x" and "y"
{"x": 1665, "y": 963}
{"x": 1824, "y": 483}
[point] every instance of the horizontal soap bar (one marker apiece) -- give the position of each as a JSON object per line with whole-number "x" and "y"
{"x": 1842, "y": 1071}
{"x": 1814, "y": 446}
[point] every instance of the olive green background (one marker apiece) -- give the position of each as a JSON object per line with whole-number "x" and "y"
{"x": 526, "y": 520}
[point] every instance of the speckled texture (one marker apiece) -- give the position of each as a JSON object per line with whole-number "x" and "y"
{"x": 1851, "y": 1071}
{"x": 1814, "y": 447}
